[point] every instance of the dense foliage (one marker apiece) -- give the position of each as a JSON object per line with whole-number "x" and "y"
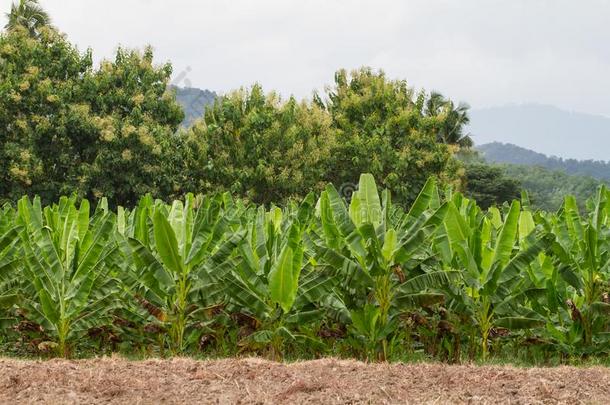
{"x": 385, "y": 128}
{"x": 256, "y": 145}
{"x": 488, "y": 185}
{"x": 337, "y": 268}
{"x": 66, "y": 127}
{"x": 492, "y": 183}
{"x": 548, "y": 188}
{"x": 69, "y": 128}
{"x": 214, "y": 275}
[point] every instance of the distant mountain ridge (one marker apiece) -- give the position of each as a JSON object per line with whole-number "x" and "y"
{"x": 544, "y": 128}
{"x": 497, "y": 152}
{"x": 193, "y": 102}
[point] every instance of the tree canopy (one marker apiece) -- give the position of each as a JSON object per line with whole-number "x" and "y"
{"x": 260, "y": 147}
{"x": 383, "y": 129}
{"x": 489, "y": 185}
{"x": 267, "y": 149}
{"x": 113, "y": 130}
{"x": 67, "y": 127}
{"x": 27, "y": 14}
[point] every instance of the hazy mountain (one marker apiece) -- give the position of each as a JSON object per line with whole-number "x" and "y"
{"x": 544, "y": 128}
{"x": 497, "y": 152}
{"x": 193, "y": 101}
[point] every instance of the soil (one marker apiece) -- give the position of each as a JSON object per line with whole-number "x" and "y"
{"x": 329, "y": 381}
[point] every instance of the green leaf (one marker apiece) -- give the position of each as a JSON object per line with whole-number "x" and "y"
{"x": 526, "y": 225}
{"x": 305, "y": 317}
{"x": 355, "y": 209}
{"x": 570, "y": 277}
{"x": 436, "y": 279}
{"x": 340, "y": 214}
{"x": 150, "y": 272}
{"x": 369, "y": 206}
{"x": 506, "y": 239}
{"x": 48, "y": 306}
{"x": 418, "y": 300}
{"x": 166, "y": 243}
{"x": 7, "y": 301}
{"x": 390, "y": 244}
{"x": 519, "y": 263}
{"x": 515, "y": 323}
{"x": 600, "y": 308}
{"x": 96, "y": 247}
{"x": 83, "y": 220}
{"x": 281, "y": 280}
{"x": 422, "y": 202}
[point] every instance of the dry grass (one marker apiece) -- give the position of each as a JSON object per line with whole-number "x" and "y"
{"x": 114, "y": 380}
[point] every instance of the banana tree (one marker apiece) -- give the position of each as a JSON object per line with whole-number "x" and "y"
{"x": 276, "y": 283}
{"x": 581, "y": 253}
{"x": 67, "y": 258}
{"x": 483, "y": 246}
{"x": 378, "y": 253}
{"x": 9, "y": 265}
{"x": 171, "y": 256}
{"x": 545, "y": 291}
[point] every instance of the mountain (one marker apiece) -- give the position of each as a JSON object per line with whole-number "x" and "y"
{"x": 544, "y": 128}
{"x": 546, "y": 179}
{"x": 193, "y": 101}
{"x": 497, "y": 152}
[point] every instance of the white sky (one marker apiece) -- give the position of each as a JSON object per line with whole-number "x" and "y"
{"x": 486, "y": 52}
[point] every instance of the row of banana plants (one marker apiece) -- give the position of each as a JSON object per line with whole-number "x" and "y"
{"x": 363, "y": 278}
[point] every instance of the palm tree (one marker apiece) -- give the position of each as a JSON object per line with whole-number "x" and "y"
{"x": 454, "y": 120}
{"x": 28, "y": 14}
{"x": 435, "y": 104}
{"x": 457, "y": 119}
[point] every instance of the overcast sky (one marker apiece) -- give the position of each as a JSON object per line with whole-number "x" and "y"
{"x": 483, "y": 52}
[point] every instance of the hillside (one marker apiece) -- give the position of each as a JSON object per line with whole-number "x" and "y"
{"x": 497, "y": 152}
{"x": 193, "y": 101}
{"x": 544, "y": 128}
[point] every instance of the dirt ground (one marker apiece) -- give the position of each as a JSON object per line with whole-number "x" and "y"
{"x": 247, "y": 381}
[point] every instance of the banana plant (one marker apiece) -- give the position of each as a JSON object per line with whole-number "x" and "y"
{"x": 551, "y": 299}
{"x": 9, "y": 265}
{"x": 171, "y": 257}
{"x": 67, "y": 258}
{"x": 581, "y": 253}
{"x": 484, "y": 247}
{"x": 275, "y": 282}
{"x": 378, "y": 254}
{"x": 547, "y": 291}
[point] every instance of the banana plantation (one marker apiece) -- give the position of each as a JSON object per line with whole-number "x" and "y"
{"x": 364, "y": 278}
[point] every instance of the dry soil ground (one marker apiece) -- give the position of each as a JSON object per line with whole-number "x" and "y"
{"x": 331, "y": 381}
